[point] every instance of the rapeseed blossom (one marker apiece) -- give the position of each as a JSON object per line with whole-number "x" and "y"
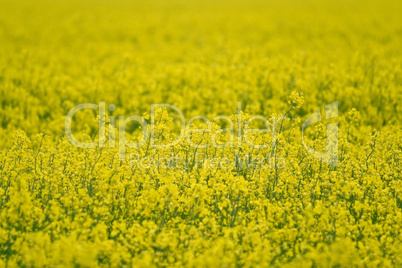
{"x": 214, "y": 198}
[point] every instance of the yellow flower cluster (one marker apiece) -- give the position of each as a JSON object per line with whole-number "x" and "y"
{"x": 228, "y": 205}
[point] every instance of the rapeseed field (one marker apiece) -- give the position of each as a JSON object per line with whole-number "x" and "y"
{"x": 200, "y": 133}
